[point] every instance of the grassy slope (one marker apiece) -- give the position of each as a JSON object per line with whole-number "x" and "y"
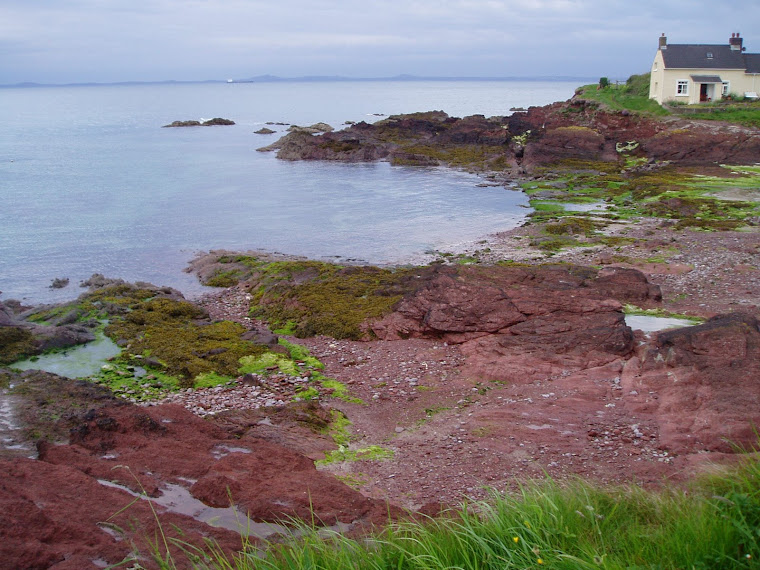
{"x": 633, "y": 96}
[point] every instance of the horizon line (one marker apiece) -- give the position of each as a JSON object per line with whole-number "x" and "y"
{"x": 306, "y": 78}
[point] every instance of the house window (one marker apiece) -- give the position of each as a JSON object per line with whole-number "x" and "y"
{"x": 682, "y": 87}
{"x": 726, "y": 88}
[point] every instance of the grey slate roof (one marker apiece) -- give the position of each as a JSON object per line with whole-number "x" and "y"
{"x": 694, "y": 56}
{"x": 706, "y": 79}
{"x": 753, "y": 62}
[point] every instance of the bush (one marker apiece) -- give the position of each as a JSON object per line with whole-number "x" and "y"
{"x": 638, "y": 85}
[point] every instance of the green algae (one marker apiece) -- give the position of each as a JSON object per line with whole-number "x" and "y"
{"x": 16, "y": 343}
{"x": 684, "y": 195}
{"x": 314, "y": 298}
{"x": 458, "y": 156}
{"x": 268, "y": 362}
{"x": 172, "y": 339}
{"x": 347, "y": 455}
{"x": 298, "y": 362}
{"x": 573, "y": 225}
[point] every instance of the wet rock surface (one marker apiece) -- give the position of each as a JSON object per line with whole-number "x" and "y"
{"x": 20, "y": 338}
{"x": 57, "y": 512}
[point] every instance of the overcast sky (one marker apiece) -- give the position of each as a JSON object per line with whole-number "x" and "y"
{"x": 66, "y": 41}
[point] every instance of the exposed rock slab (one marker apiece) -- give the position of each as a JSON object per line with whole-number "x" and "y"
{"x": 702, "y": 383}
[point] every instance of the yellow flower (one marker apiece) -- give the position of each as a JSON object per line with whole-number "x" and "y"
{"x": 540, "y": 561}
{"x": 516, "y": 538}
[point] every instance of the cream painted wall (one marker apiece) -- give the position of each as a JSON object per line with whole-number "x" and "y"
{"x": 656, "y": 82}
{"x": 663, "y": 83}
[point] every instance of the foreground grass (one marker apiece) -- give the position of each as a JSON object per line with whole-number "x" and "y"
{"x": 716, "y": 524}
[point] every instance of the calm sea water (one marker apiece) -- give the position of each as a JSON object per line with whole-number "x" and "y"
{"x": 90, "y": 183}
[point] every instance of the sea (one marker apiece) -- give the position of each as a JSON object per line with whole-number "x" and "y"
{"x": 91, "y": 183}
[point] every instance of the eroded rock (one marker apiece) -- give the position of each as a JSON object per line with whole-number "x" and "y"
{"x": 701, "y": 383}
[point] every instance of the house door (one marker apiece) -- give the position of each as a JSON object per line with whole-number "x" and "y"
{"x": 705, "y": 92}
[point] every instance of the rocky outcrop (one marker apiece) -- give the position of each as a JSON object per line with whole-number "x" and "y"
{"x": 458, "y": 304}
{"x": 701, "y": 383}
{"x": 20, "y": 339}
{"x": 168, "y": 444}
{"x": 576, "y": 129}
{"x": 208, "y": 123}
{"x": 516, "y": 322}
{"x": 311, "y": 129}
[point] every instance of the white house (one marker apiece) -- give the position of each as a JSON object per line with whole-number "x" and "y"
{"x": 696, "y": 73}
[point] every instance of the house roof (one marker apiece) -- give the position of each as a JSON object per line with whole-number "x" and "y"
{"x": 706, "y": 79}
{"x": 752, "y": 61}
{"x": 695, "y": 56}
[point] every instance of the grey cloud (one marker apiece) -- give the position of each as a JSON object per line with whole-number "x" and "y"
{"x": 89, "y": 40}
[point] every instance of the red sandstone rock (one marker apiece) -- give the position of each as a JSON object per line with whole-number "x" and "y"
{"x": 167, "y": 444}
{"x": 56, "y": 516}
{"x": 701, "y": 384}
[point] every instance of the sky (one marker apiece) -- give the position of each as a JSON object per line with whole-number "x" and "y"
{"x": 73, "y": 41}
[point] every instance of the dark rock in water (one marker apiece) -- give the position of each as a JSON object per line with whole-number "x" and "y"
{"x": 59, "y": 283}
{"x": 217, "y": 121}
{"x": 98, "y": 281}
{"x": 314, "y": 129}
{"x": 264, "y": 131}
{"x": 6, "y": 315}
{"x": 183, "y": 124}
{"x": 209, "y": 123}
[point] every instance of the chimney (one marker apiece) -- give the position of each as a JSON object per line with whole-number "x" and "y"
{"x": 735, "y": 42}
{"x": 663, "y": 42}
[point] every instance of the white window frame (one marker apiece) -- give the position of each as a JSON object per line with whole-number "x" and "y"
{"x": 726, "y": 89}
{"x": 682, "y": 88}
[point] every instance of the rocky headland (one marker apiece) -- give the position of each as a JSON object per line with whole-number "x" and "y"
{"x": 347, "y": 396}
